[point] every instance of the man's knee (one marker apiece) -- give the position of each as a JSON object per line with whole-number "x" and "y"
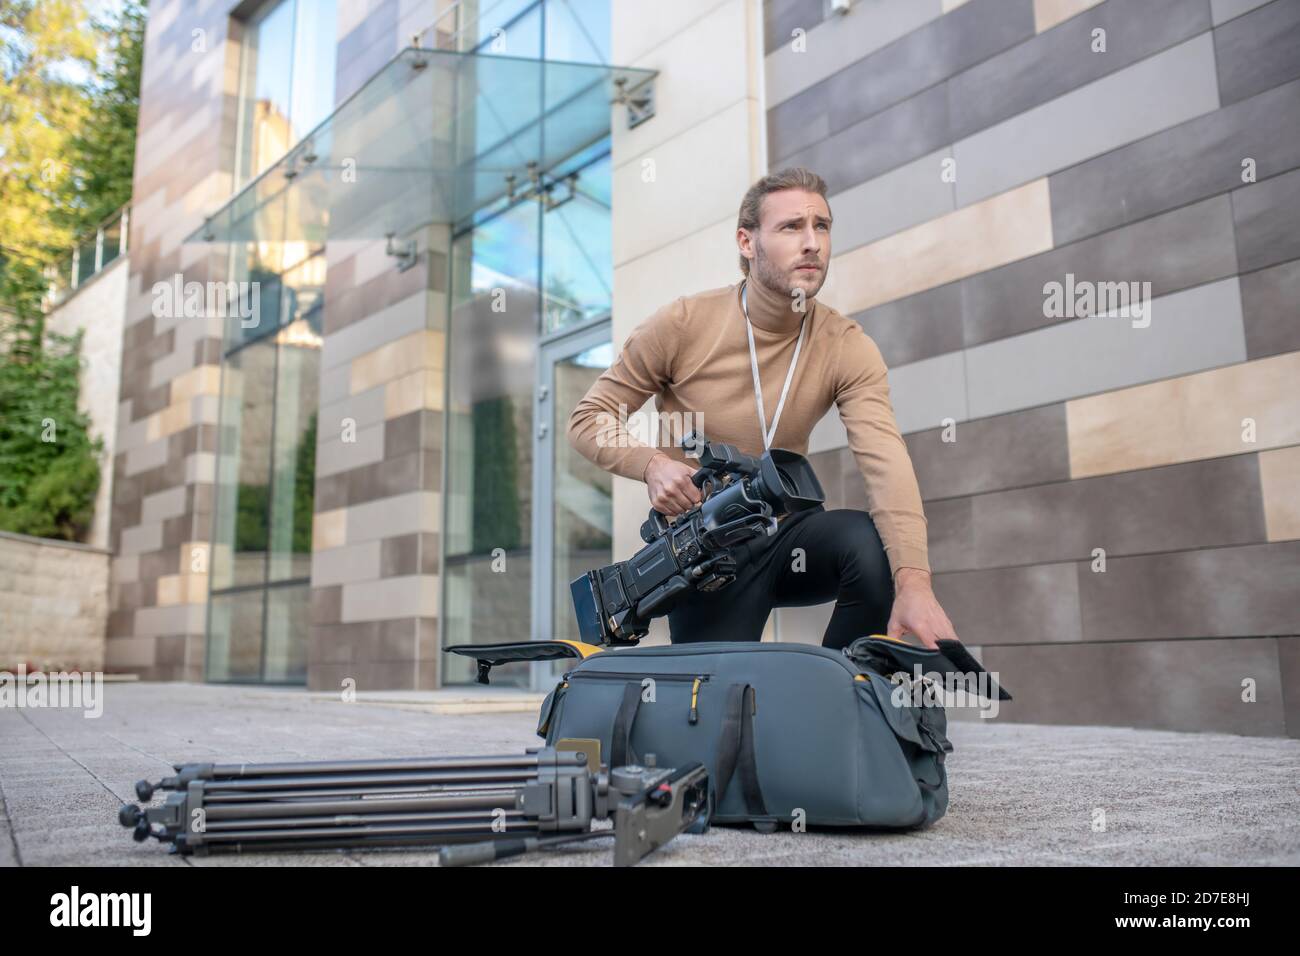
{"x": 860, "y": 552}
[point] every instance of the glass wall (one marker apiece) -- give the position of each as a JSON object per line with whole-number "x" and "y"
{"x": 521, "y": 273}
{"x": 261, "y": 544}
{"x": 286, "y": 80}
{"x": 260, "y": 567}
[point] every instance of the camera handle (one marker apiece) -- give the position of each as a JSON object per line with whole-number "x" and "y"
{"x": 657, "y": 523}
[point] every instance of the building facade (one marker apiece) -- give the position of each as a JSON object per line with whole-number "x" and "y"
{"x": 442, "y": 219}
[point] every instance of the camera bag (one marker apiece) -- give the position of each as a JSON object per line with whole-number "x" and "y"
{"x": 787, "y": 731}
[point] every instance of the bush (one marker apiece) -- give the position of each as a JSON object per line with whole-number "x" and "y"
{"x": 49, "y": 464}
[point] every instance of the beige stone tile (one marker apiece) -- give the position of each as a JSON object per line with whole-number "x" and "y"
{"x": 329, "y": 529}
{"x": 194, "y": 557}
{"x": 1001, "y": 229}
{"x": 423, "y": 389}
{"x": 175, "y": 417}
{"x": 1279, "y": 479}
{"x": 700, "y": 176}
{"x": 170, "y": 590}
{"x": 1048, "y": 13}
{"x": 1186, "y": 418}
{"x": 410, "y": 353}
{"x": 703, "y": 260}
{"x": 201, "y": 380}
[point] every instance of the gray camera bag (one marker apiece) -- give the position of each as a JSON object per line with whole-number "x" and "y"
{"x": 787, "y": 731}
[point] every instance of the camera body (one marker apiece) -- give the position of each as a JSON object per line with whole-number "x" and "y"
{"x": 743, "y": 496}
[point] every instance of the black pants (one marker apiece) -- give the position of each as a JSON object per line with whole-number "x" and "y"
{"x": 842, "y": 560}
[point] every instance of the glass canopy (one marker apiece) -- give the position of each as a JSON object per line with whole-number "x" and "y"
{"x": 430, "y": 138}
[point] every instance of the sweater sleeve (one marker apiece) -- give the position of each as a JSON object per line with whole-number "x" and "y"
{"x": 598, "y": 425}
{"x": 893, "y": 496}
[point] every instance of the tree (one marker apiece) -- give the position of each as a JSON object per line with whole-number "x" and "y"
{"x": 43, "y": 44}
{"x": 101, "y": 159}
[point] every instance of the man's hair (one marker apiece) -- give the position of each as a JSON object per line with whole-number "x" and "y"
{"x": 796, "y": 177}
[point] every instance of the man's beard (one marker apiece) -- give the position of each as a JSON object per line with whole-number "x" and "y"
{"x": 762, "y": 270}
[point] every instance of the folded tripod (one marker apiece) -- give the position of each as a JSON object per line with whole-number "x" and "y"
{"x": 476, "y": 808}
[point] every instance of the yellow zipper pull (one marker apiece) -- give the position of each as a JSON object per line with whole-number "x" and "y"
{"x": 695, "y": 697}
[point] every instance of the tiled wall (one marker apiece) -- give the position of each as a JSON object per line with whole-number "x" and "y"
{"x": 165, "y": 457}
{"x": 1073, "y": 434}
{"x": 678, "y": 179}
{"x": 375, "y": 538}
{"x": 377, "y": 506}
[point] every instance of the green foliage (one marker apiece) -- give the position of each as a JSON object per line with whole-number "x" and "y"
{"x": 496, "y": 519}
{"x": 252, "y": 511}
{"x": 49, "y": 465}
{"x": 304, "y": 490}
{"x": 101, "y": 154}
{"x": 69, "y": 96}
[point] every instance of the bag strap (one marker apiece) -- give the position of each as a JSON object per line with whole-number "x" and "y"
{"x": 736, "y": 753}
{"x": 620, "y": 738}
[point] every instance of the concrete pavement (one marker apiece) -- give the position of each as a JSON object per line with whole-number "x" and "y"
{"x": 1020, "y": 794}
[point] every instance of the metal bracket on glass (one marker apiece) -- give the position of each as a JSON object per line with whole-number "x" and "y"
{"x": 405, "y": 253}
{"x": 640, "y": 102}
{"x": 298, "y": 160}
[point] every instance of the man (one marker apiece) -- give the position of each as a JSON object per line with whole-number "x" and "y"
{"x": 757, "y": 365}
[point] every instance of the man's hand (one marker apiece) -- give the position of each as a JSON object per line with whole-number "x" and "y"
{"x": 917, "y": 611}
{"x": 668, "y": 482}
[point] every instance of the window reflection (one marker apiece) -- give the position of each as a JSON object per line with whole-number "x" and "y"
{"x": 287, "y": 64}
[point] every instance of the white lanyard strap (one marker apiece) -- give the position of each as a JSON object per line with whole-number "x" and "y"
{"x": 753, "y": 365}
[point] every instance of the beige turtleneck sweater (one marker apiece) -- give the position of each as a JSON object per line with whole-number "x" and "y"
{"x": 693, "y": 356}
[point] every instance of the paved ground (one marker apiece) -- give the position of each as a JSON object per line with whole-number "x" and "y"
{"x": 1021, "y": 794}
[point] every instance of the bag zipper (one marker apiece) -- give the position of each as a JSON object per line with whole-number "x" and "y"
{"x": 695, "y": 679}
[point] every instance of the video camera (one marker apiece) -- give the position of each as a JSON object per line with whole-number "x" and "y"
{"x": 699, "y": 551}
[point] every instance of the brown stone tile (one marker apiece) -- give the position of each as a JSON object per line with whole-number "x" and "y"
{"x": 1027, "y": 605}
{"x": 399, "y": 556}
{"x": 1218, "y": 592}
{"x": 1163, "y": 685}
{"x": 326, "y": 605}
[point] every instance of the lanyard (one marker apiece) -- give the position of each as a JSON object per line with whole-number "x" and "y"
{"x": 753, "y": 364}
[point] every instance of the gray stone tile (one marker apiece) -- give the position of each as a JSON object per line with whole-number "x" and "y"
{"x": 1270, "y": 308}
{"x": 926, "y": 56}
{"x": 1138, "y": 512}
{"x": 780, "y": 17}
{"x": 1061, "y": 59}
{"x": 1119, "y": 108}
{"x": 1155, "y": 684}
{"x": 838, "y": 42}
{"x": 1288, "y": 652}
{"x": 1225, "y": 10}
{"x": 918, "y": 326}
{"x": 898, "y": 135}
{"x": 927, "y": 392}
{"x": 1258, "y": 51}
{"x": 1029, "y": 605}
{"x": 1191, "y": 161}
{"x": 800, "y": 120}
{"x": 1189, "y": 331}
{"x": 1266, "y": 215}
{"x": 1188, "y": 246}
{"x": 911, "y": 194}
{"x": 991, "y": 454}
{"x": 951, "y": 528}
{"x": 1245, "y": 591}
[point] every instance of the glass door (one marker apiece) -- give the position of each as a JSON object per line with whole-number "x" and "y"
{"x": 573, "y": 521}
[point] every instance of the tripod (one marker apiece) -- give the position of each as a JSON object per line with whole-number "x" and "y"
{"x": 477, "y": 808}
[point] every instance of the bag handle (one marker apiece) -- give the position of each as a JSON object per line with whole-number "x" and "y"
{"x": 736, "y": 753}
{"x": 620, "y": 738}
